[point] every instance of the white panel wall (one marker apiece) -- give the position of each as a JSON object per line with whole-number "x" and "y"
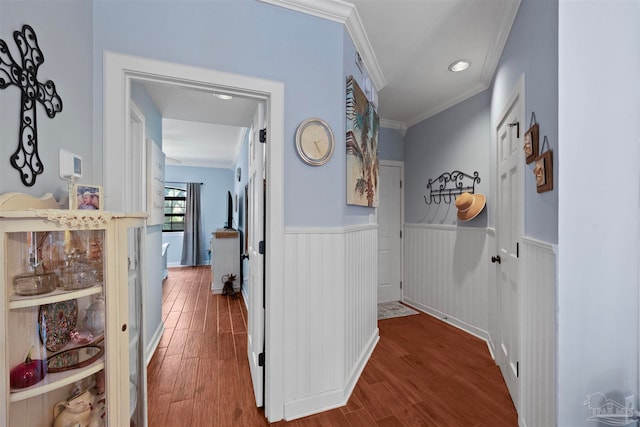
{"x": 330, "y": 322}
{"x": 538, "y": 320}
{"x": 360, "y": 290}
{"x": 448, "y": 274}
{"x": 445, "y": 273}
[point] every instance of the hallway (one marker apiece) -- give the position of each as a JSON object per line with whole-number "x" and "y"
{"x": 423, "y": 372}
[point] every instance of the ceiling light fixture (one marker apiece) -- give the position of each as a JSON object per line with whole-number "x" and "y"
{"x": 459, "y": 65}
{"x": 222, "y": 96}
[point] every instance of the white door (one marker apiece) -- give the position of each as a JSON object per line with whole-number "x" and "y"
{"x": 255, "y": 235}
{"x": 508, "y": 232}
{"x": 389, "y": 232}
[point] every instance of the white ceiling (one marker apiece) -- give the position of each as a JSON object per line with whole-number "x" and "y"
{"x": 199, "y": 129}
{"x": 406, "y": 46}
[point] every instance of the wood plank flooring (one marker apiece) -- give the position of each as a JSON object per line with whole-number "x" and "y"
{"x": 423, "y": 372}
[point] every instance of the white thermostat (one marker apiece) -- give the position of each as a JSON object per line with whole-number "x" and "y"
{"x": 70, "y": 165}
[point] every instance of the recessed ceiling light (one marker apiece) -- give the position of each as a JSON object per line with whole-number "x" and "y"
{"x": 222, "y": 96}
{"x": 459, "y": 65}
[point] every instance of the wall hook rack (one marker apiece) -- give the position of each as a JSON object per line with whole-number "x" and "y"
{"x": 449, "y": 185}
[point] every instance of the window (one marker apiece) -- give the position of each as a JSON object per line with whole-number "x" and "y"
{"x": 175, "y": 203}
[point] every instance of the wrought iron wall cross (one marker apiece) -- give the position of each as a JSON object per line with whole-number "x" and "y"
{"x": 24, "y": 76}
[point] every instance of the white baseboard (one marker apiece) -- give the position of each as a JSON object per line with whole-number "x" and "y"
{"x": 245, "y": 297}
{"x": 357, "y": 371}
{"x": 460, "y": 324}
{"x": 153, "y": 344}
{"x": 334, "y": 398}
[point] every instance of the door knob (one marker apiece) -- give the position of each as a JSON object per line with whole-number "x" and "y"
{"x": 495, "y": 259}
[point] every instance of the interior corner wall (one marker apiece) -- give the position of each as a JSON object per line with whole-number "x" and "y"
{"x": 446, "y": 261}
{"x": 455, "y": 139}
{"x": 64, "y": 33}
{"x": 391, "y": 144}
{"x": 599, "y": 45}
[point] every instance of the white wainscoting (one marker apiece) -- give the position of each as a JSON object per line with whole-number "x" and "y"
{"x": 448, "y": 274}
{"x": 538, "y": 319}
{"x": 445, "y": 274}
{"x": 330, "y": 319}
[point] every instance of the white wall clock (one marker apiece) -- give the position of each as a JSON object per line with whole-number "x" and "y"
{"x": 315, "y": 141}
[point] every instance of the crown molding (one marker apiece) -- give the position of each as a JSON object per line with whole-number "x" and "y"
{"x": 500, "y": 40}
{"x": 344, "y": 13}
{"x": 474, "y": 90}
{"x": 394, "y": 124}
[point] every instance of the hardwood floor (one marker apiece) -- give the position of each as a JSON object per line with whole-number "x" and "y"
{"x": 423, "y": 372}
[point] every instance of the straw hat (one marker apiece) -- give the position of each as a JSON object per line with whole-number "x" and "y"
{"x": 470, "y": 205}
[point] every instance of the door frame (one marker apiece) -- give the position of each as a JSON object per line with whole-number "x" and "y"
{"x": 399, "y": 164}
{"x": 517, "y": 96}
{"x": 118, "y": 72}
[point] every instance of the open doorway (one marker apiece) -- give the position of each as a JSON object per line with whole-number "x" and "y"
{"x": 120, "y": 71}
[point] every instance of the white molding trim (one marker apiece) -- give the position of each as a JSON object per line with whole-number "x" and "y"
{"x": 330, "y": 230}
{"x": 474, "y": 90}
{"x": 153, "y": 343}
{"x": 352, "y": 381}
{"x": 344, "y": 13}
{"x": 460, "y": 324}
{"x": 545, "y": 246}
{"x": 394, "y": 124}
{"x": 118, "y": 71}
{"x": 334, "y": 398}
{"x": 497, "y": 46}
{"x": 448, "y": 227}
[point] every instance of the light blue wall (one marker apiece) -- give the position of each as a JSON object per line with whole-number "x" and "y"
{"x": 391, "y": 144}
{"x": 213, "y": 198}
{"x": 598, "y": 250}
{"x": 532, "y": 49}
{"x": 64, "y": 32}
{"x": 152, "y": 117}
{"x": 256, "y": 39}
{"x": 455, "y": 139}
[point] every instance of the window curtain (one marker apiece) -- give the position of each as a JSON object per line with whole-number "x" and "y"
{"x": 191, "y": 240}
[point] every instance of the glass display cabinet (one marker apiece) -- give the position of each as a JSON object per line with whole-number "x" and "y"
{"x": 71, "y": 322}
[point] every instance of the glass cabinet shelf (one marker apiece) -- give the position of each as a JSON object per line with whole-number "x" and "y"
{"x": 54, "y": 381}
{"x": 55, "y": 296}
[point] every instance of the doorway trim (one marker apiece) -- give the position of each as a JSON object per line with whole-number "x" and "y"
{"x": 118, "y": 71}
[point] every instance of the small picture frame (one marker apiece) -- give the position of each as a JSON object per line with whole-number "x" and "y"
{"x": 543, "y": 171}
{"x": 85, "y": 197}
{"x": 531, "y": 144}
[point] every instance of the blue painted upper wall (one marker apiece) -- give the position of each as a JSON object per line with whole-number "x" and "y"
{"x": 391, "y": 144}
{"x": 213, "y": 198}
{"x": 455, "y": 139}
{"x": 463, "y": 137}
{"x": 64, "y": 33}
{"x": 532, "y": 50}
{"x": 259, "y": 40}
{"x": 152, "y": 117}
